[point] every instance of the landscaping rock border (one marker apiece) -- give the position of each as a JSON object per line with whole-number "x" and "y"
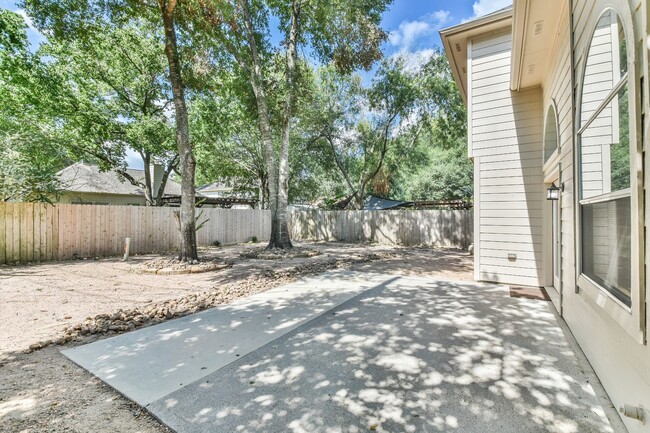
{"x": 278, "y": 254}
{"x": 190, "y": 269}
{"x": 174, "y": 267}
{"x": 139, "y": 317}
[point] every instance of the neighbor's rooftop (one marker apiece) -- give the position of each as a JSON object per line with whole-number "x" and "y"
{"x": 87, "y": 178}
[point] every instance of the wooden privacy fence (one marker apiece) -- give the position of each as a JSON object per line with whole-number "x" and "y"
{"x": 449, "y": 228}
{"x": 40, "y": 232}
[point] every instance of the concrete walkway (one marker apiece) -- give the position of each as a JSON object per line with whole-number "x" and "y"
{"x": 352, "y": 352}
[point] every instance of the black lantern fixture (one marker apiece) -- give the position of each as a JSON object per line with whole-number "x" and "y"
{"x": 553, "y": 192}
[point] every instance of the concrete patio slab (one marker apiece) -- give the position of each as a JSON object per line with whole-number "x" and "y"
{"x": 410, "y": 355}
{"x": 150, "y": 363}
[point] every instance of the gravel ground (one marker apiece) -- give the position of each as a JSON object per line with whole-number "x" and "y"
{"x": 75, "y": 302}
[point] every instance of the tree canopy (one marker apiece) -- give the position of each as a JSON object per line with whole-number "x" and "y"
{"x": 30, "y": 151}
{"x": 214, "y": 93}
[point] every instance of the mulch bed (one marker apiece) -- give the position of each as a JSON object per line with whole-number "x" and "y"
{"x": 278, "y": 254}
{"x": 172, "y": 266}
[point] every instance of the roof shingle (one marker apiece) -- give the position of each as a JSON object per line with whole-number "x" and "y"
{"x": 88, "y": 178}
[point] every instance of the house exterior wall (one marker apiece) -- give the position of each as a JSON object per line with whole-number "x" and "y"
{"x": 69, "y": 197}
{"x": 511, "y": 213}
{"x": 506, "y": 142}
{"x": 557, "y": 91}
{"x": 619, "y": 356}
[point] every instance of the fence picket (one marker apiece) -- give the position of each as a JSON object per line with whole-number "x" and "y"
{"x": 44, "y": 232}
{"x": 3, "y": 235}
{"x": 451, "y": 228}
{"x": 40, "y": 232}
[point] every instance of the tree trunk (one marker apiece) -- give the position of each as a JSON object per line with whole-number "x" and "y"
{"x": 354, "y": 192}
{"x": 171, "y": 166}
{"x": 365, "y": 179}
{"x": 360, "y": 198}
{"x": 280, "y": 223}
{"x": 188, "y": 250}
{"x": 257, "y": 83}
{"x": 148, "y": 183}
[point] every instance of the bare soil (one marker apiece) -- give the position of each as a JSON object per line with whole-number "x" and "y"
{"x": 43, "y": 391}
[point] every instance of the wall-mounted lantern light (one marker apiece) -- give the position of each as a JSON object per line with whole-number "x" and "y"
{"x": 553, "y": 192}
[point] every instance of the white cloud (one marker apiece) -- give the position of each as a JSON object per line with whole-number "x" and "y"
{"x": 484, "y": 7}
{"x": 408, "y": 32}
{"x": 414, "y": 60}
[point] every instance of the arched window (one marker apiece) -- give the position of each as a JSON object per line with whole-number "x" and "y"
{"x": 604, "y": 161}
{"x": 551, "y": 141}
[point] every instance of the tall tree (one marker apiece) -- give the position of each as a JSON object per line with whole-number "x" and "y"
{"x": 188, "y": 247}
{"x": 361, "y": 124}
{"x": 30, "y": 151}
{"x": 115, "y": 96}
{"x": 227, "y": 142}
{"x": 76, "y": 19}
{"x": 346, "y": 33}
{"x": 382, "y": 135}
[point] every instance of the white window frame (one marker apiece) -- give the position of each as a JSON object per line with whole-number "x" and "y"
{"x": 632, "y": 319}
{"x": 551, "y": 162}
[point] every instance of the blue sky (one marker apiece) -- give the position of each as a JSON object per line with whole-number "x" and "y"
{"x": 412, "y": 26}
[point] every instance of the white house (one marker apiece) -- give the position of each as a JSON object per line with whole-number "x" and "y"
{"x": 557, "y": 98}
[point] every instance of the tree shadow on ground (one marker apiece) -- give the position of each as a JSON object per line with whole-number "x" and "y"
{"x": 407, "y": 356}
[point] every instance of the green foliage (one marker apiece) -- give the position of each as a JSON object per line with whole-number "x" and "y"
{"x": 200, "y": 224}
{"x": 620, "y": 152}
{"x": 100, "y": 85}
{"x": 13, "y": 39}
{"x": 446, "y": 175}
{"x": 344, "y": 32}
{"x": 115, "y": 94}
{"x": 30, "y": 137}
{"x": 89, "y": 99}
{"x": 27, "y": 168}
{"x": 403, "y": 137}
{"x": 226, "y": 139}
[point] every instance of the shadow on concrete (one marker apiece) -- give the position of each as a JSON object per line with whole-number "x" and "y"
{"x": 152, "y": 362}
{"x": 409, "y": 355}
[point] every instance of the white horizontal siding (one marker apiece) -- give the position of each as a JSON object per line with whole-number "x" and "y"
{"x": 503, "y": 100}
{"x": 506, "y": 135}
{"x": 514, "y": 247}
{"x": 495, "y": 227}
{"x": 507, "y": 148}
{"x": 499, "y": 254}
{"x": 509, "y": 279}
{"x": 502, "y": 189}
{"x": 478, "y": 65}
{"x": 510, "y": 195}
{"x": 621, "y": 364}
{"x": 515, "y": 175}
{"x": 521, "y": 156}
{"x": 525, "y": 221}
{"x": 505, "y": 109}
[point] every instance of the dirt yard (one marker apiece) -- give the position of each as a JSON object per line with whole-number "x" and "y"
{"x": 42, "y": 304}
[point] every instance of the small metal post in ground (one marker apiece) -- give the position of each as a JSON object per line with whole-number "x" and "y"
{"x": 127, "y": 248}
